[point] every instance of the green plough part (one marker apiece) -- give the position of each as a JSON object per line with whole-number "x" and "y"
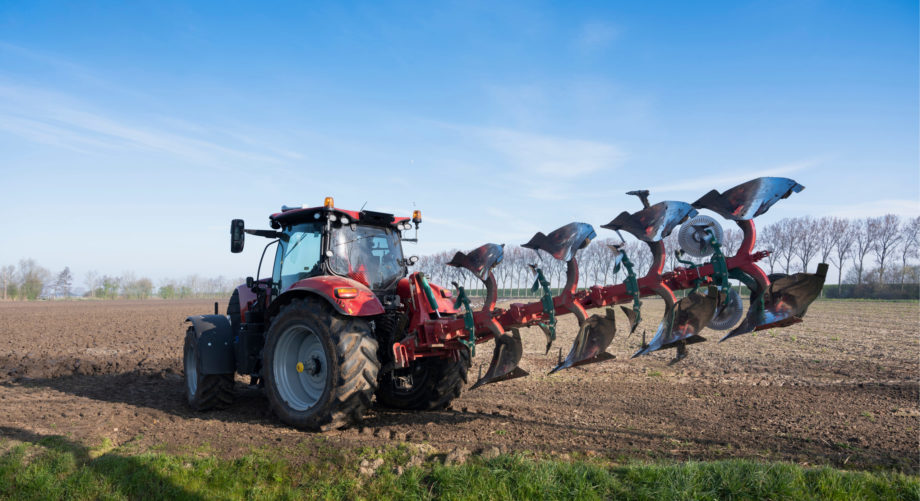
{"x": 720, "y": 268}
{"x": 756, "y": 302}
{"x": 468, "y": 322}
{"x": 548, "y": 307}
{"x": 632, "y": 286}
{"x": 690, "y": 266}
{"x": 428, "y": 292}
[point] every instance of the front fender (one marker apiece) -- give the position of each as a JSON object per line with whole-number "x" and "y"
{"x": 215, "y": 344}
{"x": 365, "y": 304}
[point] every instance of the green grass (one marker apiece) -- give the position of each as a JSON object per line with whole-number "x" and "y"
{"x": 54, "y": 468}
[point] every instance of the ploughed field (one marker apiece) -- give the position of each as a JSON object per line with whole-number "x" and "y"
{"x": 840, "y": 388}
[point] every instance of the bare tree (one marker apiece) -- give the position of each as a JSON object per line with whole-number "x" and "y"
{"x": 770, "y": 240}
{"x": 731, "y": 240}
{"x": 806, "y": 241}
{"x": 788, "y": 242}
{"x": 862, "y": 244}
{"x": 842, "y": 229}
{"x": 607, "y": 258}
{"x": 910, "y": 241}
{"x": 553, "y": 269}
{"x": 885, "y": 234}
{"x": 640, "y": 255}
{"x": 502, "y": 274}
{"x": 90, "y": 278}
{"x": 671, "y": 247}
{"x": 7, "y": 275}
{"x": 63, "y": 282}
{"x": 827, "y": 237}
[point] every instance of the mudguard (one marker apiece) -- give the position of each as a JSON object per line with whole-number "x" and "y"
{"x": 215, "y": 344}
{"x": 364, "y": 304}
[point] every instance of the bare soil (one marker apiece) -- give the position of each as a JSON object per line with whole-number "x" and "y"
{"x": 840, "y": 388}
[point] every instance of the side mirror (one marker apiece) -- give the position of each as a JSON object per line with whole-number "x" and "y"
{"x": 413, "y": 260}
{"x": 237, "y": 236}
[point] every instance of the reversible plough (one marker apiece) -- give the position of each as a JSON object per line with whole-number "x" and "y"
{"x": 775, "y": 301}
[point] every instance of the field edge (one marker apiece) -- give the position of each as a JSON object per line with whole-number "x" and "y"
{"x": 55, "y": 467}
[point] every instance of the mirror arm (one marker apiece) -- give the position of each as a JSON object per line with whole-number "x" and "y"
{"x": 268, "y": 234}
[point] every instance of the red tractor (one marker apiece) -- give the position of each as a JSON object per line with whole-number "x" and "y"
{"x": 341, "y": 322}
{"x": 317, "y": 334}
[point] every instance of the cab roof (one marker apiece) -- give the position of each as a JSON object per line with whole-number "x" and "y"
{"x": 293, "y": 215}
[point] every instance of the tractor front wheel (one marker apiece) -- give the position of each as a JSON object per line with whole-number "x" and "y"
{"x": 428, "y": 384}
{"x": 203, "y": 391}
{"x": 320, "y": 367}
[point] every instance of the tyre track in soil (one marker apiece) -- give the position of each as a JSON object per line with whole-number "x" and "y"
{"x": 840, "y": 388}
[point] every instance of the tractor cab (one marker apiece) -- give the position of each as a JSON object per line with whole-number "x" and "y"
{"x": 363, "y": 246}
{"x": 367, "y": 253}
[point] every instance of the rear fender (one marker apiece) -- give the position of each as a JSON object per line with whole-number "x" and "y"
{"x": 364, "y": 304}
{"x": 215, "y": 344}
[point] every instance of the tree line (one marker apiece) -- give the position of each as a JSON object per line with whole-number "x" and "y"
{"x": 868, "y": 251}
{"x": 30, "y": 281}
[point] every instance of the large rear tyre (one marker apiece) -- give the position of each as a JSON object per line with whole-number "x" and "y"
{"x": 428, "y": 384}
{"x": 203, "y": 391}
{"x": 320, "y": 368}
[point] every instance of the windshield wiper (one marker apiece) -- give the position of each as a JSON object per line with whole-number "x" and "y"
{"x": 291, "y": 248}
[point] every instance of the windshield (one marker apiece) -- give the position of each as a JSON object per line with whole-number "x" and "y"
{"x": 298, "y": 257}
{"x": 369, "y": 254}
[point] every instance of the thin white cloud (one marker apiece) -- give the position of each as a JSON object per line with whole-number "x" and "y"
{"x": 58, "y": 120}
{"x": 596, "y": 35}
{"x": 551, "y": 156}
{"x": 872, "y": 208}
{"x": 725, "y": 181}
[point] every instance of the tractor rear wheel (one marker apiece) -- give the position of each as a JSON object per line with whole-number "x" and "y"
{"x": 320, "y": 367}
{"x": 203, "y": 391}
{"x": 428, "y": 384}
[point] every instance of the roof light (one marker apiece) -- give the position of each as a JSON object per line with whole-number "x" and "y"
{"x": 328, "y": 203}
{"x": 416, "y": 216}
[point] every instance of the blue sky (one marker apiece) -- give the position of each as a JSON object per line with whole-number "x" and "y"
{"x": 132, "y": 132}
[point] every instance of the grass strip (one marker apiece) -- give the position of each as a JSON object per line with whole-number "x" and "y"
{"x": 55, "y": 468}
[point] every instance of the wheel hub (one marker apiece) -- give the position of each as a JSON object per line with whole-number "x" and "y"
{"x": 313, "y": 366}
